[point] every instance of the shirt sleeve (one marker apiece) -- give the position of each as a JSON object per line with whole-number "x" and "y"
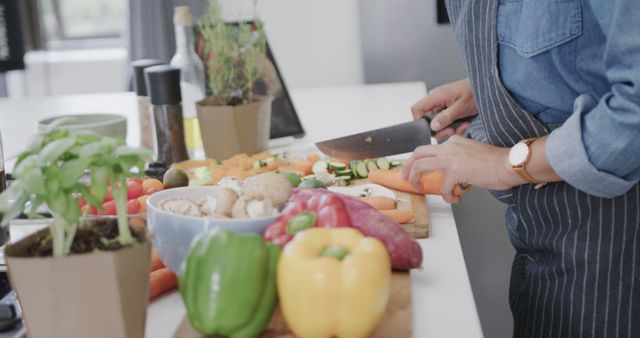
{"x": 597, "y": 150}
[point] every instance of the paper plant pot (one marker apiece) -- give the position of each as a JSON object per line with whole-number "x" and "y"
{"x": 230, "y": 130}
{"x": 95, "y": 295}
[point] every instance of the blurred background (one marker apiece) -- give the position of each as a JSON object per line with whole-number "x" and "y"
{"x": 80, "y": 46}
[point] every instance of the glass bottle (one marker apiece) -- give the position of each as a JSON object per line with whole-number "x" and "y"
{"x": 192, "y": 76}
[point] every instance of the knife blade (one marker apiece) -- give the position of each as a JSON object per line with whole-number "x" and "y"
{"x": 396, "y": 139}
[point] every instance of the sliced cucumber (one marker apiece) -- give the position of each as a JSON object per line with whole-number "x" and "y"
{"x": 345, "y": 178}
{"x": 354, "y": 170}
{"x": 258, "y": 164}
{"x": 371, "y": 165}
{"x": 320, "y": 166}
{"x": 346, "y": 172}
{"x": 361, "y": 170}
{"x": 383, "y": 163}
{"x": 337, "y": 166}
{"x": 395, "y": 163}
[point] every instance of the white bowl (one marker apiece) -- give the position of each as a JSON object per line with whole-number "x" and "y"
{"x": 113, "y": 125}
{"x": 172, "y": 233}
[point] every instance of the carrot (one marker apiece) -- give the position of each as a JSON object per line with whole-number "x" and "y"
{"x": 400, "y": 216}
{"x": 303, "y": 166}
{"x": 313, "y": 157}
{"x": 430, "y": 182}
{"x": 380, "y": 203}
{"x": 156, "y": 262}
{"x": 161, "y": 281}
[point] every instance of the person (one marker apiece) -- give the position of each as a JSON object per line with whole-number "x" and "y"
{"x": 555, "y": 85}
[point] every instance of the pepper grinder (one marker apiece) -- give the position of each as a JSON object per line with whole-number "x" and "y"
{"x": 146, "y": 133}
{"x": 163, "y": 85}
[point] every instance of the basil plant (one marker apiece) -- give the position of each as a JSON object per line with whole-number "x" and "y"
{"x": 51, "y": 171}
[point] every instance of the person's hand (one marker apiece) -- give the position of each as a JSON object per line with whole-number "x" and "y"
{"x": 451, "y": 101}
{"x": 463, "y": 161}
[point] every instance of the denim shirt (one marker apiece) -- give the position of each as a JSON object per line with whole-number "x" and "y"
{"x": 575, "y": 65}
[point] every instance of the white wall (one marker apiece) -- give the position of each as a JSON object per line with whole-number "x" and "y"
{"x": 316, "y": 43}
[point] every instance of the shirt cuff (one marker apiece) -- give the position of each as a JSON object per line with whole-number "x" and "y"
{"x": 567, "y": 155}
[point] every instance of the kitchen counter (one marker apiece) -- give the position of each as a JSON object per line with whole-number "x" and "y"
{"x": 442, "y": 300}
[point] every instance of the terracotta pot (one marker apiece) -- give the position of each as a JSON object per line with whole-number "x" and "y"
{"x": 230, "y": 130}
{"x": 100, "y": 294}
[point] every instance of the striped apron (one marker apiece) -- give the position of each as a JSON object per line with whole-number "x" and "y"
{"x": 577, "y": 267}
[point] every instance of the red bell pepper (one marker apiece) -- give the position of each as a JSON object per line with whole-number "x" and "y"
{"x": 328, "y": 212}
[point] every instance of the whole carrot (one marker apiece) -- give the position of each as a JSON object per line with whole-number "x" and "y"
{"x": 161, "y": 281}
{"x": 430, "y": 181}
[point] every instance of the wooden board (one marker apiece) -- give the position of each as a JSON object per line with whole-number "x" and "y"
{"x": 396, "y": 321}
{"x": 419, "y": 227}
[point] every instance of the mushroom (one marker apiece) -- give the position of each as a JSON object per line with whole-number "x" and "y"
{"x": 260, "y": 208}
{"x": 180, "y": 206}
{"x": 239, "y": 209}
{"x": 270, "y": 186}
{"x": 232, "y": 182}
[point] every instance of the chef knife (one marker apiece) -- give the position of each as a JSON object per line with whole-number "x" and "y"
{"x": 397, "y": 139}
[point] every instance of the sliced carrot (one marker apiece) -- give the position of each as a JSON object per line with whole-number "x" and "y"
{"x": 430, "y": 182}
{"x": 156, "y": 262}
{"x": 274, "y": 165}
{"x": 303, "y": 166}
{"x": 400, "y": 216}
{"x": 380, "y": 203}
{"x": 161, "y": 281}
{"x": 313, "y": 157}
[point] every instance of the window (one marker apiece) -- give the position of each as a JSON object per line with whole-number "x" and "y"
{"x": 71, "y": 24}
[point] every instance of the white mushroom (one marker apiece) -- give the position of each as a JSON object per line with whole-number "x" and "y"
{"x": 227, "y": 197}
{"x": 232, "y": 182}
{"x": 180, "y": 206}
{"x": 260, "y": 208}
{"x": 271, "y": 186}
{"x": 239, "y": 209}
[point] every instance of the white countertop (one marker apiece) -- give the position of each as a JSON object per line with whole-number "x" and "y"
{"x": 442, "y": 300}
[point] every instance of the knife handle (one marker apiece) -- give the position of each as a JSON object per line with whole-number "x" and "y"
{"x": 454, "y": 125}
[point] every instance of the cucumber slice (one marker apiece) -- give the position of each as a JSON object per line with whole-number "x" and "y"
{"x": 320, "y": 166}
{"x": 258, "y": 164}
{"x": 337, "y": 166}
{"x": 345, "y": 178}
{"x": 352, "y": 163}
{"x": 371, "y": 164}
{"x": 383, "y": 163}
{"x": 346, "y": 172}
{"x": 361, "y": 170}
{"x": 395, "y": 163}
{"x": 354, "y": 170}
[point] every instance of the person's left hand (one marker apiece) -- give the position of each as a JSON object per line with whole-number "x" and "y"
{"x": 463, "y": 161}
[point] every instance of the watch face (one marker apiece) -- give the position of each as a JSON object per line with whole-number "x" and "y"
{"x": 518, "y": 154}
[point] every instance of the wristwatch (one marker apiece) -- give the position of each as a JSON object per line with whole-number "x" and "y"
{"x": 519, "y": 156}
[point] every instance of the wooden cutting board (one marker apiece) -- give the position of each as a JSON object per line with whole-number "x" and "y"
{"x": 396, "y": 321}
{"x": 419, "y": 227}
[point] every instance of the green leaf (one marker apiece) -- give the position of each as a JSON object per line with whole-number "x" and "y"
{"x": 72, "y": 171}
{"x": 86, "y": 136}
{"x": 99, "y": 182}
{"x": 34, "y": 182}
{"x": 15, "y": 210}
{"x": 57, "y": 203}
{"x": 36, "y": 202}
{"x": 72, "y": 215}
{"x": 91, "y": 199}
{"x": 9, "y": 197}
{"x": 27, "y": 164}
{"x": 35, "y": 143}
{"x": 55, "y": 149}
{"x": 130, "y": 151}
{"x": 58, "y": 122}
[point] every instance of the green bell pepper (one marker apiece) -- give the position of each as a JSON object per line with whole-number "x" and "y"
{"x": 228, "y": 284}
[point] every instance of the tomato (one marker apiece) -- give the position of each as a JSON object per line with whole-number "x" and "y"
{"x": 134, "y": 190}
{"x": 81, "y": 202}
{"x": 152, "y": 183}
{"x": 133, "y": 207}
{"x": 108, "y": 197}
{"x": 135, "y": 179}
{"x": 143, "y": 203}
{"x": 89, "y": 209}
{"x": 109, "y": 208}
{"x": 152, "y": 191}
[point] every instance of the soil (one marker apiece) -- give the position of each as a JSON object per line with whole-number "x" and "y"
{"x": 91, "y": 236}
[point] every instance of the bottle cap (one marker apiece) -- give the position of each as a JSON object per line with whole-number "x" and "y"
{"x": 139, "y": 84}
{"x": 182, "y": 16}
{"x": 163, "y": 83}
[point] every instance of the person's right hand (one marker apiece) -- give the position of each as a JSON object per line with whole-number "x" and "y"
{"x": 448, "y": 102}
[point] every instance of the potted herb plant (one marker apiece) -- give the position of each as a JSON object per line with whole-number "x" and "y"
{"x": 233, "y": 120}
{"x": 77, "y": 278}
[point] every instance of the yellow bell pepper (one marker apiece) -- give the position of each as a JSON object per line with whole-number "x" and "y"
{"x": 333, "y": 283}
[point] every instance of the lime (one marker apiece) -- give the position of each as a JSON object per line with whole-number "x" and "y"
{"x": 174, "y": 178}
{"x": 293, "y": 178}
{"x": 312, "y": 183}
